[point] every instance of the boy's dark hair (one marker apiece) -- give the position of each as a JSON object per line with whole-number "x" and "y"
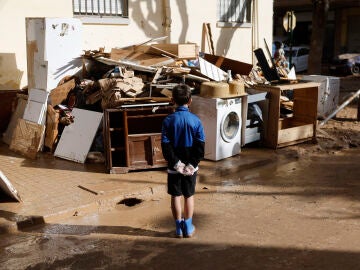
{"x": 181, "y": 94}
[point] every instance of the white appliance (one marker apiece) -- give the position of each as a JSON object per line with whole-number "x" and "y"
{"x": 328, "y": 94}
{"x": 35, "y": 110}
{"x": 254, "y": 116}
{"x": 221, "y": 119}
{"x": 54, "y": 49}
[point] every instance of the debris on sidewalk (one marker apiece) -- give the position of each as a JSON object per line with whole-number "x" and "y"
{"x": 133, "y": 77}
{"x": 8, "y": 188}
{"x": 27, "y": 138}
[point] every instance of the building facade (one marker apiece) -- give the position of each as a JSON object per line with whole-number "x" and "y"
{"x": 237, "y": 27}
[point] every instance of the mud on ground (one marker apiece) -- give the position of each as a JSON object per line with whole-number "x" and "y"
{"x": 339, "y": 133}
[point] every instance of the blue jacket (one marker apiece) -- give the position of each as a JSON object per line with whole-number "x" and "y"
{"x": 182, "y": 138}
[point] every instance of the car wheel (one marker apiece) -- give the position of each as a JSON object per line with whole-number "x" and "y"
{"x": 355, "y": 70}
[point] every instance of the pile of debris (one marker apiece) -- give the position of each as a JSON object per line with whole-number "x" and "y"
{"x": 136, "y": 74}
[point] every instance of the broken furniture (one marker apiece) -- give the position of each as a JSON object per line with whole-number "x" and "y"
{"x": 53, "y": 46}
{"x": 301, "y": 126}
{"x": 328, "y": 95}
{"x": 132, "y": 136}
{"x": 27, "y": 138}
{"x": 77, "y": 138}
{"x": 255, "y": 107}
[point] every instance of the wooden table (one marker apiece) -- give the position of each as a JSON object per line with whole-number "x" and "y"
{"x": 301, "y": 126}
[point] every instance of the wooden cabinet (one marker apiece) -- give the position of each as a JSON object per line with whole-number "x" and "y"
{"x": 301, "y": 126}
{"x": 132, "y": 138}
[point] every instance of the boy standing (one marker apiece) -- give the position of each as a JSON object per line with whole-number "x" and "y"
{"x": 182, "y": 142}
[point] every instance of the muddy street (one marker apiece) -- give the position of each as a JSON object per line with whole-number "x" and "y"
{"x": 292, "y": 213}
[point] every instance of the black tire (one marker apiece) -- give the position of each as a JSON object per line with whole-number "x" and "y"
{"x": 355, "y": 70}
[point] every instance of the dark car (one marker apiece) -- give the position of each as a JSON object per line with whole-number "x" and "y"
{"x": 345, "y": 64}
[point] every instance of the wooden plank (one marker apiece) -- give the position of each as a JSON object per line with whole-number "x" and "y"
{"x": 27, "y": 138}
{"x": 130, "y": 64}
{"x": 51, "y": 132}
{"x": 156, "y": 50}
{"x": 207, "y": 37}
{"x": 273, "y": 119}
{"x": 291, "y": 86}
{"x": 235, "y": 66}
{"x": 139, "y": 58}
{"x": 179, "y": 51}
{"x": 295, "y": 134}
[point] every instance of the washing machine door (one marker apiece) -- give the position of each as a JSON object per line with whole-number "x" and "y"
{"x": 230, "y": 126}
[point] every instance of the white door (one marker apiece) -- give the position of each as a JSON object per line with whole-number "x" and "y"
{"x": 76, "y": 139}
{"x": 230, "y": 126}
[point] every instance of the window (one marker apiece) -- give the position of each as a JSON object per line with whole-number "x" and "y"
{"x": 234, "y": 13}
{"x": 101, "y": 11}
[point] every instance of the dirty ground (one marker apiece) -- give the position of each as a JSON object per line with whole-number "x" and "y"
{"x": 299, "y": 211}
{"x": 293, "y": 213}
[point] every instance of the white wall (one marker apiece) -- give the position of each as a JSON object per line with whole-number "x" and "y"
{"x": 236, "y": 43}
{"x": 13, "y": 64}
{"x": 146, "y": 19}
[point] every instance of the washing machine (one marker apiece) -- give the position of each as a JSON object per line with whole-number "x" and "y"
{"x": 221, "y": 118}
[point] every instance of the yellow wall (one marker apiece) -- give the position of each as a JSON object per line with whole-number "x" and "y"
{"x": 236, "y": 43}
{"x": 13, "y": 36}
{"x": 146, "y": 22}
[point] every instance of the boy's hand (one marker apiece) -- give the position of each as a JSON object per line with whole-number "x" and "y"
{"x": 189, "y": 170}
{"x": 179, "y": 167}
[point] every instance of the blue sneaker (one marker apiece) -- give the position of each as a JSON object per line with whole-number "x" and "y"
{"x": 189, "y": 228}
{"x": 179, "y": 228}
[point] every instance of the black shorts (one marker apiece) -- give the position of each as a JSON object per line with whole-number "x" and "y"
{"x": 179, "y": 184}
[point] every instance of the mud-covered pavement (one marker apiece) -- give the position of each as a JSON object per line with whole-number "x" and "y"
{"x": 299, "y": 208}
{"x": 297, "y": 212}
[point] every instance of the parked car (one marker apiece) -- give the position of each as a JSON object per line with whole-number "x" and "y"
{"x": 345, "y": 64}
{"x": 299, "y": 57}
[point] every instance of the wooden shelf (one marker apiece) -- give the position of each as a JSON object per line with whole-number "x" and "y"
{"x": 146, "y": 116}
{"x": 279, "y": 132}
{"x": 132, "y": 138}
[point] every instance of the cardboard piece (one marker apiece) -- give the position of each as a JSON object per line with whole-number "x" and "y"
{"x": 52, "y": 122}
{"x": 27, "y": 138}
{"x": 59, "y": 94}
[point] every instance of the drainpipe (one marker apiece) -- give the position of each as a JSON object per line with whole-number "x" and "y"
{"x": 166, "y": 23}
{"x": 255, "y": 30}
